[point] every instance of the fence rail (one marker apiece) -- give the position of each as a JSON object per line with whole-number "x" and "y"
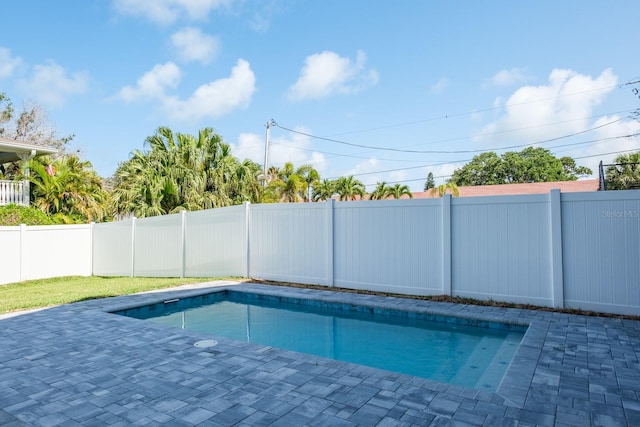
{"x": 13, "y": 192}
{"x": 572, "y": 250}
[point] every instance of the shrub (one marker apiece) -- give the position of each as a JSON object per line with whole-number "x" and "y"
{"x": 16, "y": 215}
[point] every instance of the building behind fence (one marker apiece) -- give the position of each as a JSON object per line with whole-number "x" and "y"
{"x": 565, "y": 250}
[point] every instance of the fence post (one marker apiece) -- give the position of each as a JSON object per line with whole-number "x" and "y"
{"x": 555, "y": 227}
{"x": 133, "y": 246}
{"x": 446, "y": 245}
{"x": 247, "y": 243}
{"x": 330, "y": 206}
{"x": 91, "y": 249}
{"x": 183, "y": 243}
{"x": 23, "y": 252}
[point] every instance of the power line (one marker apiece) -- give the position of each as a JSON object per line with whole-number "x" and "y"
{"x": 446, "y": 151}
{"x": 467, "y": 113}
{"x": 468, "y": 160}
{"x": 448, "y": 176}
{"x": 449, "y": 161}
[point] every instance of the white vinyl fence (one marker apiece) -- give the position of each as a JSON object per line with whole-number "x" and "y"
{"x": 573, "y": 250}
{"x": 40, "y": 252}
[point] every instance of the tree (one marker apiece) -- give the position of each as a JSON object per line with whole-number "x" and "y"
{"x": 31, "y": 125}
{"x": 68, "y": 189}
{"x": 397, "y": 191}
{"x": 483, "y": 169}
{"x": 429, "y": 184}
{"x": 348, "y": 188}
{"x": 324, "y": 190}
{"x": 311, "y": 178}
{"x": 6, "y": 111}
{"x": 291, "y": 185}
{"x": 529, "y": 165}
{"x": 288, "y": 184}
{"x": 625, "y": 173}
{"x": 382, "y": 191}
{"x": 245, "y": 185}
{"x": 182, "y": 172}
{"x": 64, "y": 186}
{"x": 442, "y": 189}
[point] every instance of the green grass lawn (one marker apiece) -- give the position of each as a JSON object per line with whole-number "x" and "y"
{"x": 62, "y": 290}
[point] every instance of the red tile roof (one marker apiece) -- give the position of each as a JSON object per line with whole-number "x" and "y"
{"x": 528, "y": 188}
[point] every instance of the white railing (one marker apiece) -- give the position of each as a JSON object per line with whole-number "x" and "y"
{"x": 13, "y": 192}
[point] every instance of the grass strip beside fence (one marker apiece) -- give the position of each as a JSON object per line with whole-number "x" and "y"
{"x": 62, "y": 290}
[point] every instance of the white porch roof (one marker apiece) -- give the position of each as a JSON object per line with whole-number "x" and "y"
{"x": 12, "y": 150}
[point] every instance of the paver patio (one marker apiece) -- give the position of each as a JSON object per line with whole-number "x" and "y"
{"x": 78, "y": 364}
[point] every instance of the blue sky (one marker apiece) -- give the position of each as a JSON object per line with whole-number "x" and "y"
{"x": 429, "y": 84}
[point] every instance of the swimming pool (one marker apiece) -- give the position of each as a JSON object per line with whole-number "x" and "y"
{"x": 461, "y": 351}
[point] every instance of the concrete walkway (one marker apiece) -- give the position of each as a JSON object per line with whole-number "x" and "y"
{"x": 78, "y": 364}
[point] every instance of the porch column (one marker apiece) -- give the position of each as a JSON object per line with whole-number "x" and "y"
{"x": 25, "y": 157}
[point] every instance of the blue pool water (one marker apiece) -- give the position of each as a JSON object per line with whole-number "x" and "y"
{"x": 447, "y": 350}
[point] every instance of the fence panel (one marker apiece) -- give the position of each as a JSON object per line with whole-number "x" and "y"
{"x": 9, "y": 255}
{"x": 501, "y": 248}
{"x": 113, "y": 248}
{"x": 158, "y": 246}
{"x": 389, "y": 246}
{"x": 216, "y": 242}
{"x": 56, "y": 250}
{"x": 601, "y": 243}
{"x": 289, "y": 242}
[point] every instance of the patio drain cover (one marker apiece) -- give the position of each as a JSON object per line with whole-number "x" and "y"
{"x": 206, "y": 343}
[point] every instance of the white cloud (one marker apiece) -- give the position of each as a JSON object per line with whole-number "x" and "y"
{"x": 249, "y": 146}
{"x": 50, "y": 84}
{"x": 210, "y": 100}
{"x": 192, "y": 44}
{"x": 439, "y": 86}
{"x": 398, "y": 176}
{"x": 610, "y": 142}
{"x": 441, "y": 173}
{"x": 508, "y": 77}
{"x": 259, "y": 23}
{"x": 152, "y": 84}
{"x": 327, "y": 73}
{"x": 566, "y": 102}
{"x": 168, "y": 11}
{"x": 366, "y": 172}
{"x": 8, "y": 64}
{"x": 216, "y": 98}
{"x": 260, "y": 14}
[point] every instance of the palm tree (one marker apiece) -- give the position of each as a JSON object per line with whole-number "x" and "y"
{"x": 311, "y": 178}
{"x": 291, "y": 188}
{"x": 246, "y": 185}
{"x": 397, "y": 191}
{"x": 382, "y": 191}
{"x": 324, "y": 190}
{"x": 348, "y": 188}
{"x": 288, "y": 184}
{"x": 182, "y": 172}
{"x": 67, "y": 188}
{"x": 441, "y": 190}
{"x": 625, "y": 173}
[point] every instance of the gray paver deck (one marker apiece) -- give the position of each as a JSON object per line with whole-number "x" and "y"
{"x": 78, "y": 364}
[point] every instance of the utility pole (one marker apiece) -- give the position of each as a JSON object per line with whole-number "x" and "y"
{"x": 266, "y": 152}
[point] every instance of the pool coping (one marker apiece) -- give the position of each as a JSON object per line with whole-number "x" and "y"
{"x": 555, "y": 376}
